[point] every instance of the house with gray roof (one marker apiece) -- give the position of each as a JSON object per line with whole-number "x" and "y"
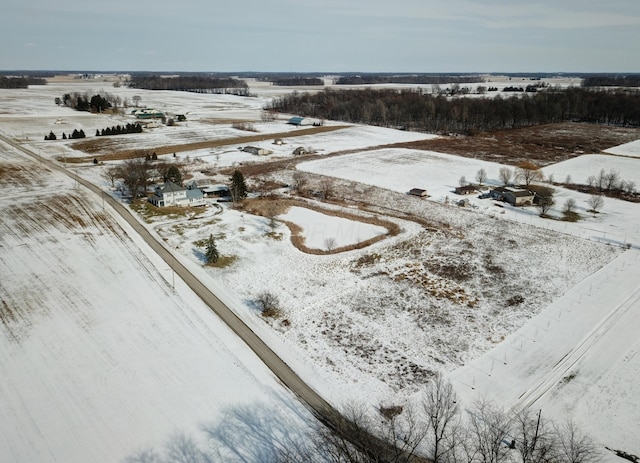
{"x": 172, "y": 194}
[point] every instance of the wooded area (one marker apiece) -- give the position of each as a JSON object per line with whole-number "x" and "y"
{"x": 191, "y": 83}
{"x": 415, "y": 110}
{"x": 20, "y": 82}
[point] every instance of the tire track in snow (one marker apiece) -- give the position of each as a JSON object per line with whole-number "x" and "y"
{"x": 577, "y": 353}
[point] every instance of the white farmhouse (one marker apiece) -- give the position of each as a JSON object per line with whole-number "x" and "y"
{"x": 172, "y": 194}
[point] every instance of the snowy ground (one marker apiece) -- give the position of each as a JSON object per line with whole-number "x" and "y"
{"x": 101, "y": 357}
{"x": 371, "y": 324}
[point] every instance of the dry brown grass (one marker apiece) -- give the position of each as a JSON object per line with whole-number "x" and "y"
{"x": 542, "y": 144}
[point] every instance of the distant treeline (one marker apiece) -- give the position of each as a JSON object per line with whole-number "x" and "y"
{"x": 406, "y": 79}
{"x": 612, "y": 81}
{"x": 191, "y": 83}
{"x": 119, "y": 130}
{"x": 298, "y": 81}
{"x": 21, "y": 82}
{"x": 414, "y": 110}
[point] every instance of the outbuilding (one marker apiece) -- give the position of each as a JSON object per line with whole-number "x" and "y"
{"x": 418, "y": 192}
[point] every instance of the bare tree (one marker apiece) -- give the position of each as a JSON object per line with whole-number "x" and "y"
{"x": 481, "y": 176}
{"x": 326, "y": 189}
{"x": 569, "y": 205}
{"x": 527, "y": 173}
{"x": 534, "y": 437}
{"x": 136, "y": 99}
{"x": 440, "y": 405}
{"x": 544, "y": 205}
{"x": 612, "y": 180}
{"x": 505, "y": 175}
{"x": 298, "y": 181}
{"x": 330, "y": 244}
{"x": 268, "y": 303}
{"x": 574, "y": 446}
{"x": 462, "y": 181}
{"x": 595, "y": 202}
{"x": 488, "y": 429}
{"x": 111, "y": 173}
{"x": 629, "y": 187}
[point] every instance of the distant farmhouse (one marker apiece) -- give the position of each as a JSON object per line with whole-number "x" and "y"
{"x": 147, "y": 113}
{"x": 514, "y": 196}
{"x": 172, "y": 194}
{"x": 466, "y": 190}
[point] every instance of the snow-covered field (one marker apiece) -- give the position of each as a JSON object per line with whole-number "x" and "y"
{"x": 101, "y": 357}
{"x": 460, "y": 290}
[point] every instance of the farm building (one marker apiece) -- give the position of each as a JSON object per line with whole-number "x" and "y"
{"x": 216, "y": 191}
{"x": 256, "y": 150}
{"x": 418, "y": 192}
{"x": 298, "y": 120}
{"x": 172, "y": 194}
{"x": 466, "y": 190}
{"x": 514, "y": 196}
{"x": 147, "y": 113}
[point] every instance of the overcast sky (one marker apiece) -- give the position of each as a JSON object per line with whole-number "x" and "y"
{"x": 321, "y": 35}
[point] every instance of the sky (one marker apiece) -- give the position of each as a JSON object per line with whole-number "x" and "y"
{"x": 327, "y": 35}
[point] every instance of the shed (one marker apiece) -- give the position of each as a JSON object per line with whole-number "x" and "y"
{"x": 466, "y": 190}
{"x": 299, "y": 120}
{"x": 418, "y": 192}
{"x": 256, "y": 150}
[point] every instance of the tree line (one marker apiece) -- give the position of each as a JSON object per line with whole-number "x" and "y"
{"x": 612, "y": 81}
{"x": 365, "y": 79}
{"x": 191, "y": 83}
{"x": 416, "y": 110}
{"x": 21, "y": 82}
{"x": 298, "y": 81}
{"x": 437, "y": 430}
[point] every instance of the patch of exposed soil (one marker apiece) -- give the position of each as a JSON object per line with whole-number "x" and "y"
{"x": 542, "y": 144}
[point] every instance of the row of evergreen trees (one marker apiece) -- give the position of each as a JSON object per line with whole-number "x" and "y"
{"x": 119, "y": 130}
{"x": 414, "y": 110}
{"x": 75, "y": 134}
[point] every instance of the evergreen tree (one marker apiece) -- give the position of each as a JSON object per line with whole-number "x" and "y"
{"x": 211, "y": 253}
{"x": 174, "y": 175}
{"x": 238, "y": 187}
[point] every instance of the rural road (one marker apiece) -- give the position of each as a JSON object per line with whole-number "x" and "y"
{"x": 280, "y": 369}
{"x": 322, "y": 409}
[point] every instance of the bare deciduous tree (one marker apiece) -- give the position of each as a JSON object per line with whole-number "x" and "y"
{"x": 534, "y": 437}
{"x": 298, "y": 181}
{"x": 544, "y": 205}
{"x": 481, "y": 176}
{"x": 595, "y": 202}
{"x": 569, "y": 205}
{"x": 330, "y": 244}
{"x": 440, "y": 405}
{"x": 574, "y": 446}
{"x": 488, "y": 429}
{"x": 505, "y": 175}
{"x": 462, "y": 181}
{"x": 326, "y": 189}
{"x": 527, "y": 173}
